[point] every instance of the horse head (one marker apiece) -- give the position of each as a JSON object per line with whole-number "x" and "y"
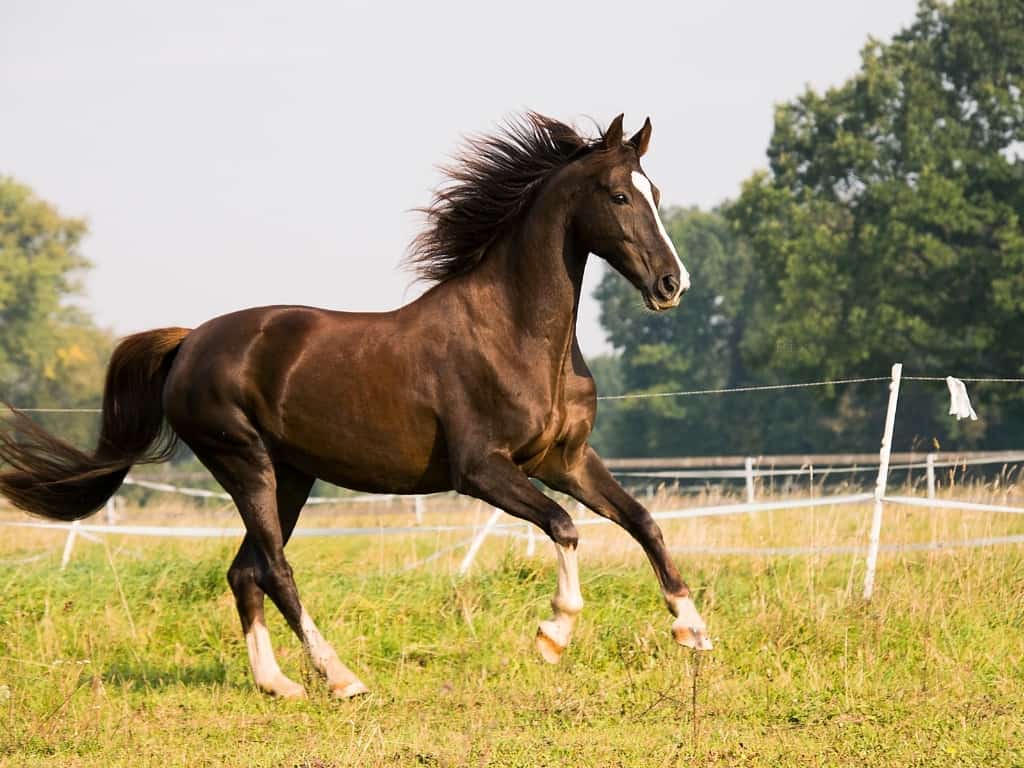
{"x": 616, "y": 217}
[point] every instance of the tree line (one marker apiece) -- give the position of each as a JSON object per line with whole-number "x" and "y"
{"x": 887, "y": 228}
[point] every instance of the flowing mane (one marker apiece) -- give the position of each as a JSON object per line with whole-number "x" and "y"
{"x": 490, "y": 183}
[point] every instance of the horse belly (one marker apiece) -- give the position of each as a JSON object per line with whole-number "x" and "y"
{"x": 374, "y": 450}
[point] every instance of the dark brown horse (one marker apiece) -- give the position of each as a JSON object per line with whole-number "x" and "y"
{"x": 476, "y": 386}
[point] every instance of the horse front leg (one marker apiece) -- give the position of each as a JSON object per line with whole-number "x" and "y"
{"x": 553, "y": 635}
{"x": 498, "y": 481}
{"x": 590, "y": 483}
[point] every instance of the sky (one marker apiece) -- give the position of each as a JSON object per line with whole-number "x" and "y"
{"x": 234, "y": 155}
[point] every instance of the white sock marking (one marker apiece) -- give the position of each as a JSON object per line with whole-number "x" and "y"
{"x": 643, "y": 184}
{"x": 265, "y": 670}
{"x": 568, "y": 600}
{"x": 688, "y": 618}
{"x": 326, "y": 661}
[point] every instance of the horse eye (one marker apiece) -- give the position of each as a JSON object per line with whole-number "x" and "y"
{"x": 620, "y": 199}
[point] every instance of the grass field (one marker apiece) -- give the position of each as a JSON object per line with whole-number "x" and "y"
{"x": 133, "y": 655}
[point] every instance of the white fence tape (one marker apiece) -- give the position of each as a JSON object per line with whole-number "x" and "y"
{"x": 812, "y": 469}
{"x": 913, "y": 501}
{"x": 847, "y": 549}
{"x": 851, "y": 549}
{"x": 24, "y": 560}
{"x": 202, "y": 493}
{"x": 711, "y": 474}
{"x": 195, "y": 532}
{"x": 736, "y": 509}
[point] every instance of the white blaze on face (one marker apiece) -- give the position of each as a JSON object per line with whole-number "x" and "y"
{"x": 643, "y": 185}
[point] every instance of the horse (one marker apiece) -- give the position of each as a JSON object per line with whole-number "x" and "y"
{"x": 476, "y": 386}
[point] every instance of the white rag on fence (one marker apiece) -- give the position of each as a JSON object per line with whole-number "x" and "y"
{"x": 959, "y": 402}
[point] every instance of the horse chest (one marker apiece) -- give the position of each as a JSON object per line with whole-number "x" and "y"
{"x": 565, "y": 422}
{"x": 532, "y": 453}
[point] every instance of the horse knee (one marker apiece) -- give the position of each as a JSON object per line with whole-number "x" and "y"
{"x": 563, "y": 531}
{"x": 652, "y": 530}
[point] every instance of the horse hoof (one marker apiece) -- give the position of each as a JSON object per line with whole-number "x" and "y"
{"x": 550, "y": 649}
{"x": 283, "y": 688}
{"x": 355, "y": 688}
{"x": 692, "y": 637}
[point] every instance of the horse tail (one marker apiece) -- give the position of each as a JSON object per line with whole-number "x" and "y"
{"x": 49, "y": 477}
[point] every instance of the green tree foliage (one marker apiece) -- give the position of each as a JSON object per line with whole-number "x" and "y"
{"x": 51, "y": 354}
{"x": 887, "y": 228}
{"x": 688, "y": 348}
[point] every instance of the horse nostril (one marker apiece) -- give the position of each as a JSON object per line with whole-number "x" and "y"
{"x": 668, "y": 287}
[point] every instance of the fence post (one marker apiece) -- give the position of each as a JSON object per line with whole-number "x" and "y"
{"x": 467, "y": 561}
{"x": 883, "y": 476}
{"x": 748, "y": 466}
{"x": 418, "y": 501}
{"x": 69, "y": 545}
{"x": 531, "y": 540}
{"x": 110, "y": 512}
{"x": 930, "y": 468}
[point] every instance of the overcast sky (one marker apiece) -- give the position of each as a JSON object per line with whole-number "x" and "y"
{"x": 265, "y": 153}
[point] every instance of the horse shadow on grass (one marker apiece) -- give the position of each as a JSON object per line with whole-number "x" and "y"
{"x": 143, "y": 674}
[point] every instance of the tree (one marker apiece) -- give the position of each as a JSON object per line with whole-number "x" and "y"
{"x": 887, "y": 228}
{"x": 51, "y": 353}
{"x": 889, "y": 224}
{"x": 698, "y": 345}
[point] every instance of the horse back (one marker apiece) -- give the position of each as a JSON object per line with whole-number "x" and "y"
{"x": 334, "y": 394}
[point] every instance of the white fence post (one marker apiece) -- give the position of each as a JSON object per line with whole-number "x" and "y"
{"x": 930, "y": 464}
{"x": 531, "y": 540}
{"x": 69, "y": 545}
{"x": 110, "y": 512}
{"x": 467, "y": 561}
{"x": 883, "y": 476}
{"x": 748, "y": 466}
{"x": 418, "y": 502}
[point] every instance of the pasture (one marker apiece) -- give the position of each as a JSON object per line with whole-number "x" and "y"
{"x": 133, "y": 655}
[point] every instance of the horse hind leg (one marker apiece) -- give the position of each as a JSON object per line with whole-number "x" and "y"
{"x": 243, "y": 576}
{"x": 270, "y": 513}
{"x": 292, "y": 491}
{"x": 249, "y": 570}
{"x": 341, "y": 680}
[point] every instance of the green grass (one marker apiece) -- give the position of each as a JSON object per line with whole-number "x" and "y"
{"x": 133, "y": 656}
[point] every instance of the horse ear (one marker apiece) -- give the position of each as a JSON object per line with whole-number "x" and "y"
{"x": 642, "y": 139}
{"x": 613, "y": 136}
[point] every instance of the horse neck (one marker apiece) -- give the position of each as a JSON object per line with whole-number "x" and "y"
{"x": 533, "y": 276}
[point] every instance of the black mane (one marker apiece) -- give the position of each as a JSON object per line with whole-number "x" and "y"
{"x": 491, "y": 182}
